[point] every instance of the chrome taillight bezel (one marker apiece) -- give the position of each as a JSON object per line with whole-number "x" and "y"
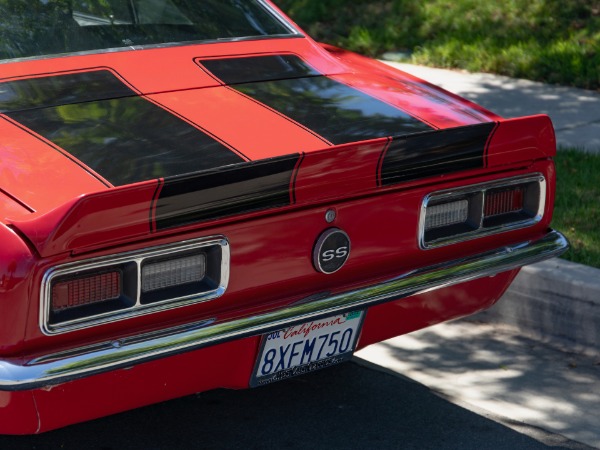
{"x": 535, "y": 185}
{"x": 217, "y": 245}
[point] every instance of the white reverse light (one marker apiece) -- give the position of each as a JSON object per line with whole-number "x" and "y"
{"x": 446, "y": 214}
{"x": 173, "y": 272}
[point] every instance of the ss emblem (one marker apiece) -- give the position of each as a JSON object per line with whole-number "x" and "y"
{"x": 340, "y": 252}
{"x": 331, "y": 251}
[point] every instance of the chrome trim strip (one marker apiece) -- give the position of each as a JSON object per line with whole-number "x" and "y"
{"x": 280, "y": 17}
{"x": 136, "y": 257}
{"x": 149, "y": 47}
{"x": 482, "y": 232}
{"x": 22, "y": 374}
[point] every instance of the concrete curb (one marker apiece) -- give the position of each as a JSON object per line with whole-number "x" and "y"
{"x": 555, "y": 301}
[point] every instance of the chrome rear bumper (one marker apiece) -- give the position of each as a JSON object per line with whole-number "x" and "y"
{"x": 18, "y": 374}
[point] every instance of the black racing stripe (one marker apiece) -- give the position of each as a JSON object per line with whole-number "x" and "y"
{"x": 259, "y": 68}
{"x": 333, "y": 110}
{"x": 121, "y": 136}
{"x": 57, "y": 90}
{"x": 435, "y": 153}
{"x": 246, "y": 187}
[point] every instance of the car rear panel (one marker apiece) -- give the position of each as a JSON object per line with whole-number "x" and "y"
{"x": 271, "y": 206}
{"x": 267, "y": 180}
{"x": 271, "y": 250}
{"x": 227, "y": 365}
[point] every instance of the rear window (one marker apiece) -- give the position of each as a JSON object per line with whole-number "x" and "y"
{"x": 31, "y": 28}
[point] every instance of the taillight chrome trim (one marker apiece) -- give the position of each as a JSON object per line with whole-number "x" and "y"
{"x": 137, "y": 258}
{"x": 449, "y": 195}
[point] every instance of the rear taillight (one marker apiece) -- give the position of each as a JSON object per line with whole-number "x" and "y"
{"x": 92, "y": 292}
{"x": 447, "y": 214}
{"x": 86, "y": 290}
{"x": 473, "y": 211}
{"x": 171, "y": 272}
{"x": 503, "y": 201}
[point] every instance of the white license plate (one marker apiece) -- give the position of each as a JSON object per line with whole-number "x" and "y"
{"x": 307, "y": 347}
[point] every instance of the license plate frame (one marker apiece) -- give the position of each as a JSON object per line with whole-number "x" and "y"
{"x": 307, "y": 347}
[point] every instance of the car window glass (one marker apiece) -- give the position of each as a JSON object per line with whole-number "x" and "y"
{"x": 117, "y": 12}
{"x": 45, "y": 27}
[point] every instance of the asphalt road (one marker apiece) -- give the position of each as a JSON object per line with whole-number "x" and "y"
{"x": 350, "y": 406}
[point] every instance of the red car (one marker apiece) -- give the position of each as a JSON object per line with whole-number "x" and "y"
{"x": 196, "y": 195}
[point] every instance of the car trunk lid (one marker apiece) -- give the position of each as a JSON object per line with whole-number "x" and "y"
{"x": 249, "y": 189}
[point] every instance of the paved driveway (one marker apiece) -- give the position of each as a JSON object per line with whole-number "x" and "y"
{"x": 344, "y": 407}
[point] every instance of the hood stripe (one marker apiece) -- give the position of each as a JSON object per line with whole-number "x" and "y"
{"x": 338, "y": 112}
{"x": 102, "y": 122}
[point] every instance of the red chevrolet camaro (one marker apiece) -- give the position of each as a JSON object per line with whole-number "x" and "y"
{"x": 196, "y": 195}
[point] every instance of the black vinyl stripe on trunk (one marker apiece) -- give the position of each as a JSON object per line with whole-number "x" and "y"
{"x": 435, "y": 153}
{"x": 246, "y": 187}
{"x": 58, "y": 89}
{"x": 102, "y": 122}
{"x": 337, "y": 112}
{"x": 259, "y": 68}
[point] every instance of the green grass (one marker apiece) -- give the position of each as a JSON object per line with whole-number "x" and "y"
{"x": 553, "y": 41}
{"x": 577, "y": 206}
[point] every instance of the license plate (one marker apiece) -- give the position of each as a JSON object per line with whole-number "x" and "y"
{"x": 307, "y": 347}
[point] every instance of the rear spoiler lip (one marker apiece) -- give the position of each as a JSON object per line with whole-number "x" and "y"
{"x": 152, "y": 208}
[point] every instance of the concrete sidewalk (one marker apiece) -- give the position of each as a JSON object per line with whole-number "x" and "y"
{"x": 496, "y": 372}
{"x": 574, "y": 112}
{"x": 534, "y": 358}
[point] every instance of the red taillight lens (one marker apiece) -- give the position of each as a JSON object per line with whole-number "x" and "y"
{"x": 503, "y": 202}
{"x": 85, "y": 291}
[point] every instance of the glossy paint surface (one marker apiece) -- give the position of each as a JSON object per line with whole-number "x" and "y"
{"x": 97, "y": 119}
{"x": 193, "y": 104}
{"x": 243, "y": 188}
{"x": 335, "y": 111}
{"x": 277, "y": 182}
{"x": 61, "y": 367}
{"x": 271, "y": 254}
{"x": 452, "y": 150}
{"x": 16, "y": 271}
{"x": 25, "y": 173}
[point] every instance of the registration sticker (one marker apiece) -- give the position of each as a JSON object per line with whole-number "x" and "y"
{"x": 306, "y": 347}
